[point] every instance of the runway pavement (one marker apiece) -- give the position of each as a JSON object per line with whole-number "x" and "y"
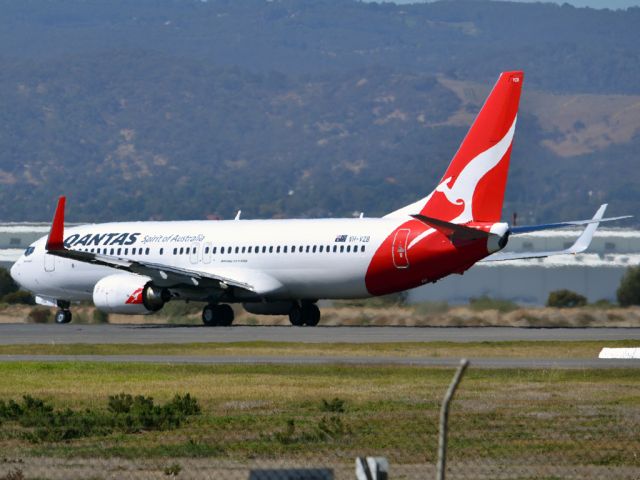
{"x": 92, "y": 334}
{"x": 528, "y": 363}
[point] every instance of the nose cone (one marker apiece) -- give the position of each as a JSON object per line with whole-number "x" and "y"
{"x": 15, "y": 272}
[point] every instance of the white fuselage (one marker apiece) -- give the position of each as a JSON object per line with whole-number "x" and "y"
{"x": 320, "y": 258}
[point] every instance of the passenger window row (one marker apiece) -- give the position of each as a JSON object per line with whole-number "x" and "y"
{"x": 234, "y": 250}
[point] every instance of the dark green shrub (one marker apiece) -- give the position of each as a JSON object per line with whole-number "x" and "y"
{"x": 566, "y": 299}
{"x": 18, "y": 297}
{"x": 39, "y": 315}
{"x": 125, "y": 413}
{"x": 336, "y": 405}
{"x": 7, "y": 285}
{"x": 173, "y": 470}
{"x": 487, "y": 303}
{"x": 629, "y": 290}
{"x": 100, "y": 317}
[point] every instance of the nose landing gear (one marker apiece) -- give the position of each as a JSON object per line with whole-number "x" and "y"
{"x": 63, "y": 316}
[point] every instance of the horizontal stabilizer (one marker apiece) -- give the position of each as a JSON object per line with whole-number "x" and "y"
{"x": 458, "y": 234}
{"x": 552, "y": 226}
{"x": 580, "y": 245}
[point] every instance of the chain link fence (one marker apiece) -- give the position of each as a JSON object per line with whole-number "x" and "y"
{"x": 240, "y": 421}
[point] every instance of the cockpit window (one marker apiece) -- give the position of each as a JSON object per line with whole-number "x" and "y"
{"x": 29, "y": 251}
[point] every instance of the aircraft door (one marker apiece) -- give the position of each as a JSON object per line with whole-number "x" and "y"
{"x": 206, "y": 254}
{"x": 49, "y": 262}
{"x": 195, "y": 251}
{"x": 399, "y": 248}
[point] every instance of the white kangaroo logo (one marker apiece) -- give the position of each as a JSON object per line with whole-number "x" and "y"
{"x": 463, "y": 188}
{"x": 461, "y": 193}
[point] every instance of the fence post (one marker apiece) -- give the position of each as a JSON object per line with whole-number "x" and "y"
{"x": 444, "y": 419}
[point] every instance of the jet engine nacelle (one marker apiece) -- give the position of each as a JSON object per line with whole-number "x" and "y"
{"x": 129, "y": 294}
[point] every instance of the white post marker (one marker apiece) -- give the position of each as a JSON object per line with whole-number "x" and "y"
{"x": 620, "y": 353}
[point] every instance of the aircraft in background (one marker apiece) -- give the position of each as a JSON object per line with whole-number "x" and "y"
{"x": 283, "y": 267}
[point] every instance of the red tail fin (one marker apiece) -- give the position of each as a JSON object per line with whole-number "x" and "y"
{"x": 473, "y": 186}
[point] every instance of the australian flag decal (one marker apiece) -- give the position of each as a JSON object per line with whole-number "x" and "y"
{"x": 341, "y": 238}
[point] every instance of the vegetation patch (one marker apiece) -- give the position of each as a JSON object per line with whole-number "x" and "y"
{"x": 40, "y": 421}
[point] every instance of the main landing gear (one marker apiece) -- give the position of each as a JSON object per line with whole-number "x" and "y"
{"x": 63, "y": 315}
{"x": 305, "y": 313}
{"x": 217, "y": 315}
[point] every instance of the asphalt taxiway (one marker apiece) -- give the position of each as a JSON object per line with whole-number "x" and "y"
{"x": 11, "y": 334}
{"x": 24, "y": 334}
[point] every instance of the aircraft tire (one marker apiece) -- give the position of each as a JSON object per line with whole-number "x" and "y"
{"x": 63, "y": 316}
{"x": 311, "y": 314}
{"x": 217, "y": 315}
{"x": 225, "y": 315}
{"x": 209, "y": 316}
{"x": 295, "y": 316}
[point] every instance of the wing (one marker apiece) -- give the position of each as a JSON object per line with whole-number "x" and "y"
{"x": 580, "y": 245}
{"x": 162, "y": 275}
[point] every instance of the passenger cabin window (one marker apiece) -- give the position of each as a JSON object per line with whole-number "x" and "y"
{"x": 271, "y": 249}
{"x": 161, "y": 251}
{"x": 181, "y": 250}
{"x": 147, "y": 252}
{"x": 293, "y": 249}
{"x": 335, "y": 248}
{"x": 278, "y": 249}
{"x": 244, "y": 249}
{"x": 237, "y": 249}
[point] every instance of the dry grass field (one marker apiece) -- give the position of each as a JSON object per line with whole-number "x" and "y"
{"x": 491, "y": 313}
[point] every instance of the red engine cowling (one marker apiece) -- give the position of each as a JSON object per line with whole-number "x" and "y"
{"x": 129, "y": 294}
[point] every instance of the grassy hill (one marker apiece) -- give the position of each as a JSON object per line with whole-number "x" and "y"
{"x": 183, "y": 109}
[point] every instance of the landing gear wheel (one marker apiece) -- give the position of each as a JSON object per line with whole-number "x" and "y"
{"x": 217, "y": 315}
{"x": 63, "y": 316}
{"x": 311, "y": 314}
{"x": 225, "y": 315}
{"x": 295, "y": 316}
{"x": 305, "y": 314}
{"x": 209, "y": 315}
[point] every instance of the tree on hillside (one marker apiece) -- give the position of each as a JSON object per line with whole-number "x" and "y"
{"x": 629, "y": 290}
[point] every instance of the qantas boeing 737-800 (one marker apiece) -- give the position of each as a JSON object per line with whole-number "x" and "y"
{"x": 285, "y": 266}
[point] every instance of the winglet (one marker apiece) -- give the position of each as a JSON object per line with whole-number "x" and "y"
{"x": 56, "y": 234}
{"x": 584, "y": 240}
